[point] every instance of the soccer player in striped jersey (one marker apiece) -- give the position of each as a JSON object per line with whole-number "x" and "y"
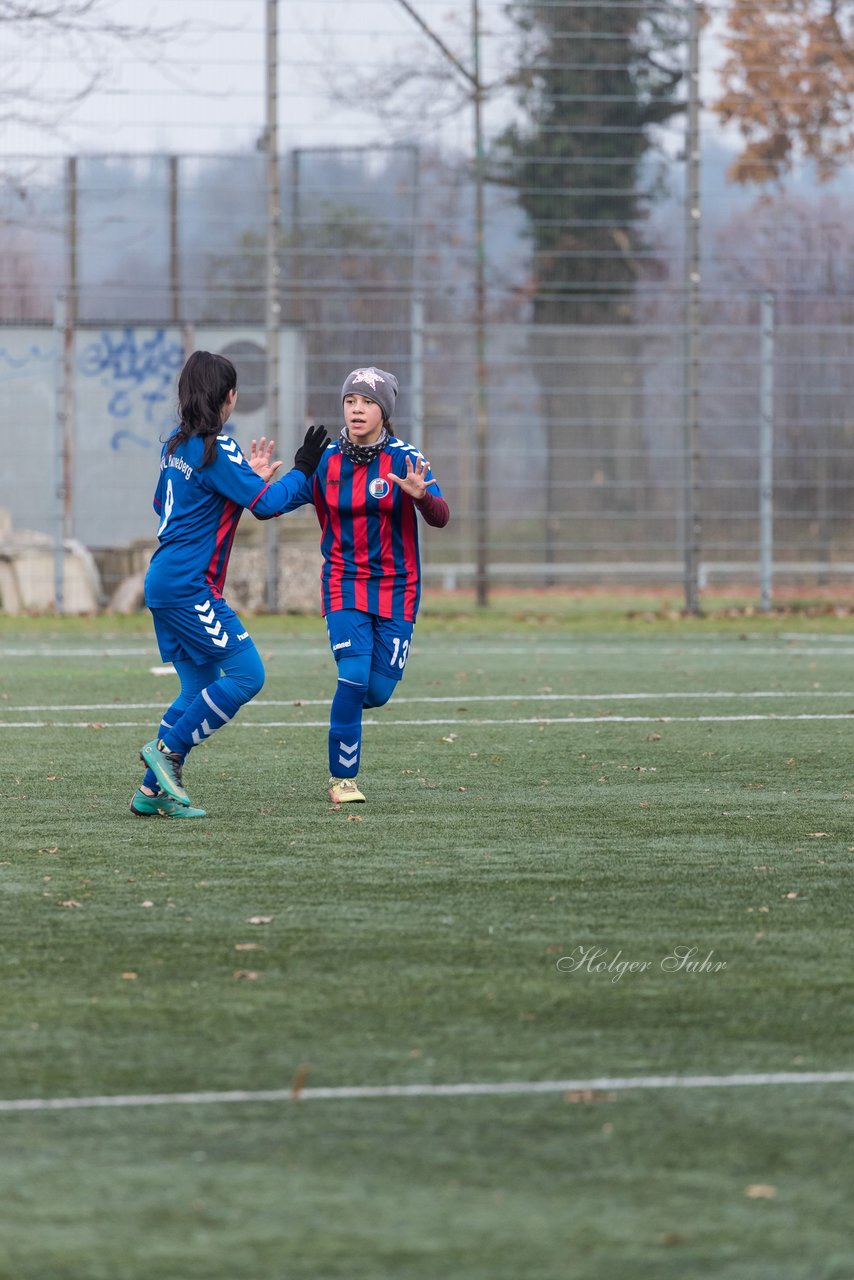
{"x": 204, "y": 486}
{"x": 368, "y": 491}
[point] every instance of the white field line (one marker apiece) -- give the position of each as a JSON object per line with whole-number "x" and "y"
{"x": 68, "y": 652}
{"x": 611, "y": 1084}
{"x": 479, "y": 697}
{"x": 458, "y": 723}
{"x": 486, "y": 647}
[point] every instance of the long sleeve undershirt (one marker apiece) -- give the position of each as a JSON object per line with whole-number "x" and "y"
{"x": 434, "y": 510}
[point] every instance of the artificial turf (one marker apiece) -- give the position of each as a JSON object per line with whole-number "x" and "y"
{"x": 424, "y": 939}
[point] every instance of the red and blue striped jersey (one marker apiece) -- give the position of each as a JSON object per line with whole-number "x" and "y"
{"x": 369, "y": 532}
{"x": 199, "y": 510}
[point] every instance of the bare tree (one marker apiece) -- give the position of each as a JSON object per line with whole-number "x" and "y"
{"x": 80, "y": 35}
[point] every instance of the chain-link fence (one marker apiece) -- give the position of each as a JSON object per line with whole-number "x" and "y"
{"x": 592, "y": 471}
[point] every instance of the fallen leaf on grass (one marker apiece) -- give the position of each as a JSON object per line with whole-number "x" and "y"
{"x": 247, "y": 975}
{"x": 299, "y": 1081}
{"x": 355, "y": 817}
{"x": 760, "y": 1191}
{"x": 50, "y": 848}
{"x": 452, "y": 737}
{"x": 260, "y": 920}
{"x": 818, "y": 835}
{"x": 588, "y": 1095}
{"x": 147, "y": 903}
{"x": 71, "y": 903}
{"x": 248, "y": 946}
{"x": 130, "y": 976}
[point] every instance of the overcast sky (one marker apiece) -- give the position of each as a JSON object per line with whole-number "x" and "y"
{"x": 202, "y": 90}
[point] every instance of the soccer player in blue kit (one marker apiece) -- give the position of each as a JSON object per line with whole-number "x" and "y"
{"x": 366, "y": 492}
{"x": 204, "y": 486}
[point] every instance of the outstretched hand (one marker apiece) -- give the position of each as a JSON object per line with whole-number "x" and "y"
{"x": 260, "y": 458}
{"x": 414, "y": 482}
{"x": 311, "y": 450}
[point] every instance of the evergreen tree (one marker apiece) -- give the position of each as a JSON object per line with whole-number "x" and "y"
{"x": 592, "y": 81}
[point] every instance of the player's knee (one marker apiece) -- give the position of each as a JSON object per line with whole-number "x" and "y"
{"x": 247, "y": 674}
{"x": 355, "y": 670}
{"x": 254, "y": 684}
{"x": 380, "y": 689}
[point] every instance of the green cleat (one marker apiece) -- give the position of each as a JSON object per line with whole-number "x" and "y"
{"x": 166, "y": 766}
{"x": 161, "y": 806}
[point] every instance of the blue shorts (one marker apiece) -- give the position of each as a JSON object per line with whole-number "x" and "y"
{"x": 353, "y": 633}
{"x": 198, "y": 633}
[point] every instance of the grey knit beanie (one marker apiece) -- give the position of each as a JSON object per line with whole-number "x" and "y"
{"x": 376, "y": 384}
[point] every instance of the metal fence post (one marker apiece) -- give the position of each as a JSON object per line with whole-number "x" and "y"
{"x": 692, "y": 439}
{"x": 766, "y": 452}
{"x": 59, "y": 328}
{"x": 272, "y": 272}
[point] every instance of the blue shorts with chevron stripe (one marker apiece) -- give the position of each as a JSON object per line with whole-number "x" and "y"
{"x": 198, "y": 632}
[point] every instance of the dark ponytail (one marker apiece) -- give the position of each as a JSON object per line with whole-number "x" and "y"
{"x": 203, "y": 386}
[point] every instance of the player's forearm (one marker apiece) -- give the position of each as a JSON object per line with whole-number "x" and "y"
{"x": 292, "y": 490}
{"x": 435, "y": 510}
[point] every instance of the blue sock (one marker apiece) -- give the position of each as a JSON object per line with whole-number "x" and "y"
{"x": 150, "y": 778}
{"x": 209, "y": 707}
{"x": 345, "y": 716}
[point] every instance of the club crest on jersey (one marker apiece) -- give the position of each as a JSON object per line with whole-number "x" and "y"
{"x": 379, "y": 488}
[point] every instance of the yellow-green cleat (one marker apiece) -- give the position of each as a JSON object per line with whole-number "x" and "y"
{"x": 166, "y": 766}
{"x": 344, "y": 791}
{"x": 161, "y": 806}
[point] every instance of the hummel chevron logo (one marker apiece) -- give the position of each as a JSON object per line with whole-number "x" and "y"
{"x": 352, "y": 754}
{"x": 206, "y": 732}
{"x": 207, "y": 617}
{"x": 230, "y": 447}
{"x": 214, "y": 631}
{"x": 200, "y": 608}
{"x": 222, "y": 642}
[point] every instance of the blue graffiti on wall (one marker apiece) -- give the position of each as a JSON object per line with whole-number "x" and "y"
{"x": 139, "y": 374}
{"x": 18, "y": 363}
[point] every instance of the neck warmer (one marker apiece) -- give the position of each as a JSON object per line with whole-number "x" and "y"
{"x": 362, "y": 454}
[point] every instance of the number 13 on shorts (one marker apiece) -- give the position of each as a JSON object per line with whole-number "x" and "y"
{"x": 399, "y": 652}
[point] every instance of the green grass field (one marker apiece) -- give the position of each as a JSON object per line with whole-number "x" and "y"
{"x": 555, "y": 787}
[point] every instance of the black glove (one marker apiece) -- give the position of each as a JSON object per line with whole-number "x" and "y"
{"x": 311, "y": 450}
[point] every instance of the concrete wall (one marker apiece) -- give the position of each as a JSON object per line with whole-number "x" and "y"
{"x": 124, "y": 396}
